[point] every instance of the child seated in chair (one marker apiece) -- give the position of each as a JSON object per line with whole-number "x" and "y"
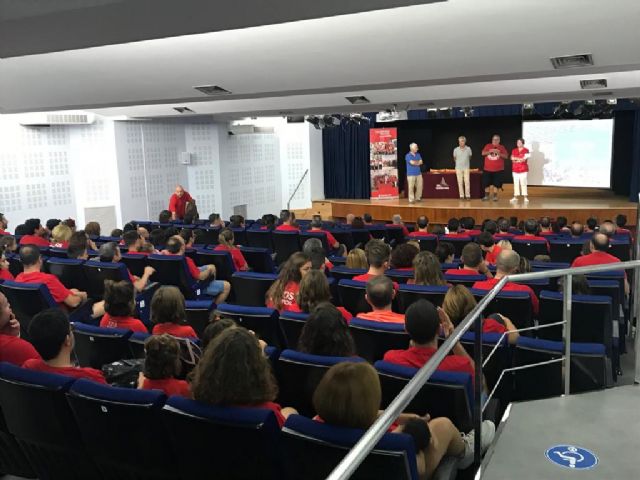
{"x": 161, "y": 365}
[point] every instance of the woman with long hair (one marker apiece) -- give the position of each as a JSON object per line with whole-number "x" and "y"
{"x": 226, "y": 243}
{"x": 314, "y": 290}
{"x": 283, "y": 293}
{"x": 426, "y": 270}
{"x": 326, "y": 333}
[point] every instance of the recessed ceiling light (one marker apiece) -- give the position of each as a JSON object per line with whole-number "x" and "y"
{"x": 357, "y": 100}
{"x": 572, "y": 61}
{"x": 212, "y": 90}
{"x": 594, "y": 83}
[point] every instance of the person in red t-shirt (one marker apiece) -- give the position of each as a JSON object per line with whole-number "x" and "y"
{"x": 32, "y": 264}
{"x": 326, "y": 333}
{"x": 178, "y": 203}
{"x": 60, "y": 236}
{"x": 396, "y": 221}
{"x": 119, "y": 305}
{"x": 423, "y": 322}
{"x": 34, "y": 234}
{"x": 5, "y": 274}
{"x": 168, "y": 313}
{"x": 488, "y": 245}
{"x": 507, "y": 264}
{"x": 51, "y": 335}
{"x": 472, "y": 262}
{"x": 4, "y": 224}
{"x": 519, "y": 168}
{"x": 288, "y": 222}
{"x": 531, "y": 230}
{"x": 423, "y": 229}
{"x": 283, "y": 293}
{"x": 110, "y": 253}
{"x": 314, "y": 290}
{"x": 599, "y": 246}
{"x": 378, "y": 254}
{"x": 380, "y": 295}
{"x": 161, "y": 365}
{"x": 453, "y": 228}
{"x": 235, "y": 372}
{"x": 13, "y": 349}
{"x": 494, "y": 156}
{"x": 226, "y": 243}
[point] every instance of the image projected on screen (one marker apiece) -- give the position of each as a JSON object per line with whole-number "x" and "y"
{"x": 569, "y": 153}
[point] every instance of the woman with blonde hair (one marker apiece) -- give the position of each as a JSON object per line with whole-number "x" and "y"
{"x": 226, "y": 243}
{"x": 60, "y": 236}
{"x": 356, "y": 258}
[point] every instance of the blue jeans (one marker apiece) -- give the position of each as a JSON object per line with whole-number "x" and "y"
{"x": 215, "y": 287}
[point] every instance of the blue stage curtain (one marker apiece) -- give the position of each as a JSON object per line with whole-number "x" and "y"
{"x": 345, "y": 151}
{"x": 634, "y": 164}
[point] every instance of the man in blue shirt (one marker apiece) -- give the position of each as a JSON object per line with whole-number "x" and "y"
{"x": 414, "y": 175}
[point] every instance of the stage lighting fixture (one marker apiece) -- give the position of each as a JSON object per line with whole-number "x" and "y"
{"x": 315, "y": 121}
{"x": 445, "y": 112}
{"x": 467, "y": 111}
{"x": 612, "y": 101}
{"x": 561, "y": 109}
{"x": 432, "y": 112}
{"x": 331, "y": 121}
{"x": 528, "y": 109}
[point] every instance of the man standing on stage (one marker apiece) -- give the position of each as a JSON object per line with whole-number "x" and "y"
{"x": 414, "y": 175}
{"x": 494, "y": 156}
{"x": 178, "y": 203}
{"x": 462, "y": 157}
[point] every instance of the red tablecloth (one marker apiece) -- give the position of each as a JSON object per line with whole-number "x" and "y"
{"x": 445, "y": 185}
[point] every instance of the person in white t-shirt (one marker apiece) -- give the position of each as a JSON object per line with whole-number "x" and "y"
{"x": 462, "y": 157}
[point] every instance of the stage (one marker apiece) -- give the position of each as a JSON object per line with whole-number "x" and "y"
{"x": 573, "y": 203}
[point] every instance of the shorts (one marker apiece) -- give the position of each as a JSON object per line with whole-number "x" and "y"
{"x": 492, "y": 178}
{"x": 213, "y": 288}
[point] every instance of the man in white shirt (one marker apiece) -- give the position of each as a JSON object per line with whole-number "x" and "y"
{"x": 462, "y": 157}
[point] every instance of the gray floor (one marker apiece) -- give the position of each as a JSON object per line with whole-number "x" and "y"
{"x": 606, "y": 422}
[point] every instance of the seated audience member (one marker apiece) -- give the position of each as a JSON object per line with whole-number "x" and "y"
{"x": 438, "y": 230}
{"x": 592, "y": 225}
{"x": 445, "y": 251}
{"x": 21, "y": 230}
{"x": 116, "y": 233}
{"x": 32, "y": 264}
{"x": 288, "y": 222}
{"x": 378, "y": 254}
{"x": 8, "y": 243}
{"x": 191, "y": 214}
{"x": 545, "y": 227}
{"x": 13, "y": 349}
{"x": 313, "y": 247}
{"x": 349, "y": 219}
{"x": 226, "y": 242}
{"x": 599, "y": 247}
{"x": 488, "y": 244}
{"x": 283, "y": 293}
{"x": 157, "y": 238}
{"x": 402, "y": 257}
{"x": 219, "y": 289}
{"x": 422, "y": 225}
{"x": 5, "y": 273}
{"x": 396, "y": 221}
{"x": 507, "y": 264}
{"x": 50, "y": 225}
{"x": 164, "y": 217}
{"x": 268, "y": 222}
{"x": 161, "y": 366}
{"x": 129, "y": 226}
{"x": 119, "y": 306}
{"x": 453, "y": 227}
{"x": 367, "y": 219}
{"x": 144, "y": 233}
{"x": 60, "y": 236}
{"x": 524, "y": 266}
{"x": 472, "y": 261}
{"x": 234, "y": 372}
{"x": 490, "y": 227}
{"x": 110, "y": 253}
{"x": 358, "y": 224}
{"x": 356, "y": 258}
{"x": 503, "y": 229}
{"x": 576, "y": 230}
{"x": 34, "y": 234}
{"x": 215, "y": 221}
{"x": 621, "y": 224}
{"x": 608, "y": 228}
{"x": 458, "y": 303}
{"x": 314, "y": 290}
{"x": 168, "y": 313}
{"x": 349, "y": 396}
{"x": 77, "y": 247}
{"x": 215, "y": 328}
{"x": 426, "y": 270}
{"x": 504, "y": 244}
{"x": 514, "y": 225}
{"x": 423, "y": 322}
{"x": 326, "y": 333}
{"x": 316, "y": 226}
{"x": 531, "y": 232}
{"x": 561, "y": 224}
{"x": 579, "y": 285}
{"x": 4, "y": 224}
{"x": 380, "y": 295}
{"x": 188, "y": 237}
{"x": 468, "y": 225}
{"x": 71, "y": 223}
{"x": 133, "y": 241}
{"x": 51, "y": 335}
{"x": 92, "y": 229}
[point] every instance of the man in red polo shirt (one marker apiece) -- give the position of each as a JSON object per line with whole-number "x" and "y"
{"x": 110, "y": 253}
{"x": 545, "y": 227}
{"x": 423, "y": 322}
{"x": 35, "y": 234}
{"x": 599, "y": 246}
{"x": 380, "y": 294}
{"x": 178, "y": 203}
{"x": 531, "y": 230}
{"x": 473, "y": 263}
{"x": 488, "y": 244}
{"x": 316, "y": 226}
{"x": 32, "y": 263}
{"x": 453, "y": 226}
{"x": 4, "y": 224}
{"x": 494, "y": 154}
{"x": 288, "y": 222}
{"x": 423, "y": 229}
{"x": 13, "y": 349}
{"x": 396, "y": 221}
{"x": 507, "y": 264}
{"x": 503, "y": 229}
{"x": 468, "y": 225}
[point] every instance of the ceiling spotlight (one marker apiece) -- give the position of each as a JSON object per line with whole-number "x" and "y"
{"x": 315, "y": 121}
{"x": 432, "y": 112}
{"x": 528, "y": 109}
{"x": 612, "y": 101}
{"x": 331, "y": 120}
{"x": 561, "y": 109}
{"x": 445, "y": 112}
{"x": 467, "y": 111}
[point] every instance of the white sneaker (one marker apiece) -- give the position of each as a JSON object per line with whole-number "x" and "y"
{"x": 526, "y": 200}
{"x": 488, "y": 433}
{"x": 513, "y": 200}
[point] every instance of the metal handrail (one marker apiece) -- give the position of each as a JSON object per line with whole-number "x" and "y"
{"x": 367, "y": 442}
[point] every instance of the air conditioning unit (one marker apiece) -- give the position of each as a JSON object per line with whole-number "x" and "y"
{"x": 46, "y": 119}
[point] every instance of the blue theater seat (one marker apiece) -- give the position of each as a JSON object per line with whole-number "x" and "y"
{"x": 260, "y": 239}
{"x": 172, "y": 270}
{"x": 136, "y": 344}
{"x": 352, "y": 296}
{"x": 394, "y": 234}
{"x": 466, "y": 280}
{"x": 457, "y": 242}
{"x": 407, "y": 294}
{"x": 565, "y": 250}
{"x": 96, "y": 346}
{"x": 262, "y": 320}
{"x": 258, "y": 259}
{"x": 68, "y": 270}
{"x": 306, "y": 235}
{"x": 299, "y": 374}
{"x": 426, "y": 243}
{"x": 399, "y": 276}
{"x": 345, "y": 237}
{"x": 250, "y": 288}
{"x": 118, "y": 426}
{"x": 361, "y": 236}
{"x": 530, "y": 248}
{"x": 226, "y": 442}
{"x": 374, "y": 339}
{"x": 292, "y": 324}
{"x": 97, "y": 272}
{"x": 207, "y": 236}
{"x": 220, "y": 258}
{"x": 341, "y": 272}
{"x": 514, "y": 305}
{"x": 313, "y": 449}
{"x": 198, "y": 314}
{"x": 285, "y": 244}
{"x": 135, "y": 263}
{"x": 38, "y": 415}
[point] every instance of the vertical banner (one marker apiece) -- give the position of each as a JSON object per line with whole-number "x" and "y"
{"x": 383, "y": 161}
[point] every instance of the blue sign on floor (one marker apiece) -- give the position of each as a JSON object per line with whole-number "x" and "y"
{"x": 570, "y": 456}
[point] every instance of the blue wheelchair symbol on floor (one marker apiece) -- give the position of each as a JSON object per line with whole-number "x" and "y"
{"x": 570, "y": 456}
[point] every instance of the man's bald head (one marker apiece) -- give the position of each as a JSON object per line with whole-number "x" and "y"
{"x": 380, "y": 292}
{"x": 608, "y": 228}
{"x": 507, "y": 262}
{"x": 599, "y": 242}
{"x": 179, "y": 190}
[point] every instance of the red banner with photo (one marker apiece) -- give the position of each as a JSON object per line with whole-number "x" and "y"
{"x": 383, "y": 162}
